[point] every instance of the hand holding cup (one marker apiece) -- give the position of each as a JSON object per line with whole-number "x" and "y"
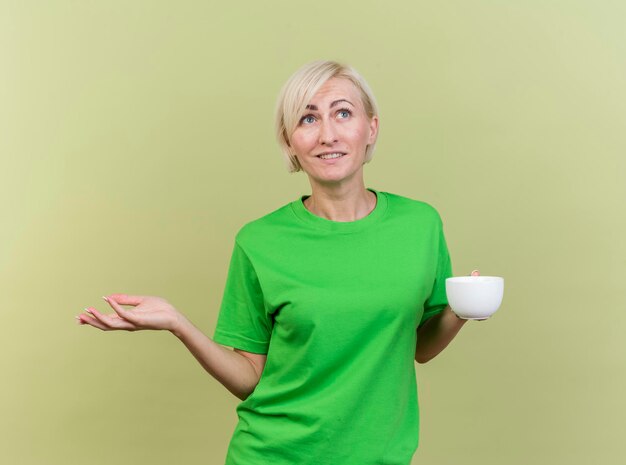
{"x": 474, "y": 297}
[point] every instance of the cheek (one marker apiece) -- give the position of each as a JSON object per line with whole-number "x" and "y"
{"x": 358, "y": 134}
{"x": 302, "y": 140}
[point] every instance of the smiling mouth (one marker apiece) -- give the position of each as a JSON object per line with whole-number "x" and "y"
{"x": 331, "y": 156}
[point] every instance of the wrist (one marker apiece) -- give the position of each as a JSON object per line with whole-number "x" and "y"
{"x": 179, "y": 326}
{"x": 458, "y": 319}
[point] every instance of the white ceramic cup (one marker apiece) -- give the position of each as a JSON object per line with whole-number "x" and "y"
{"x": 475, "y": 297}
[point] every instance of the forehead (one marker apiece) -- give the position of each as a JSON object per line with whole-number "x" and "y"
{"x": 336, "y": 88}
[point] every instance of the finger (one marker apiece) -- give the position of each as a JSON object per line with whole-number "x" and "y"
{"x": 122, "y": 312}
{"x": 475, "y": 273}
{"x": 119, "y": 323}
{"x": 91, "y": 321}
{"x": 110, "y": 321}
{"x": 86, "y": 316}
{"x": 124, "y": 299}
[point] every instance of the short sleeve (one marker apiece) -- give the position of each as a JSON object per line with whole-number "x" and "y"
{"x": 243, "y": 322}
{"x": 438, "y": 300}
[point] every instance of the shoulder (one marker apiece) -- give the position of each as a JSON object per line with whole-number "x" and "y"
{"x": 399, "y": 204}
{"x": 263, "y": 228}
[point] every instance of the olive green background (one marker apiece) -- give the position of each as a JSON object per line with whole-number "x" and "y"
{"x": 137, "y": 138}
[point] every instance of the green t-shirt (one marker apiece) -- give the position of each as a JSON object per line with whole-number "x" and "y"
{"x": 335, "y": 306}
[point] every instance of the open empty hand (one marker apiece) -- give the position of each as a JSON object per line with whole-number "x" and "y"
{"x": 149, "y": 312}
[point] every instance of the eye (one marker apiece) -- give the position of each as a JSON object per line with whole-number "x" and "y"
{"x": 307, "y": 119}
{"x": 344, "y": 111}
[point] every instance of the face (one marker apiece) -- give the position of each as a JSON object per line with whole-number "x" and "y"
{"x": 334, "y": 122}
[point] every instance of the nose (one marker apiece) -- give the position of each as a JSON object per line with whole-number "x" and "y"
{"x": 328, "y": 133}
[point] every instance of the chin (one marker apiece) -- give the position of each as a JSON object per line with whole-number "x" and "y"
{"x": 335, "y": 179}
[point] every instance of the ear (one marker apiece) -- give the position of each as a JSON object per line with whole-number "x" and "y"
{"x": 373, "y": 130}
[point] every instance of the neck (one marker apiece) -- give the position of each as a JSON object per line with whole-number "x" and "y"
{"x": 341, "y": 204}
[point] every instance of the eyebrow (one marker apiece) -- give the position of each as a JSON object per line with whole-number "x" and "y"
{"x": 314, "y": 107}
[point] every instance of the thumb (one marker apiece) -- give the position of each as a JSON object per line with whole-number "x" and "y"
{"x": 475, "y": 273}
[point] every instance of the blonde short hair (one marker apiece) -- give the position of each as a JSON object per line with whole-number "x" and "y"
{"x": 298, "y": 91}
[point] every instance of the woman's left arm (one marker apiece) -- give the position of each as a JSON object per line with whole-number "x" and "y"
{"x": 436, "y": 333}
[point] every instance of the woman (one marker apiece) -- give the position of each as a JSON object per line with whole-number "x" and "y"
{"x": 329, "y": 300}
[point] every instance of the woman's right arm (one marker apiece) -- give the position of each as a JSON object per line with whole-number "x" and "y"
{"x": 237, "y": 370}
